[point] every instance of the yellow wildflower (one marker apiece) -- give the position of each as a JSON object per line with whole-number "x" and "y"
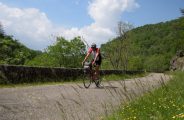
{"x": 181, "y": 115}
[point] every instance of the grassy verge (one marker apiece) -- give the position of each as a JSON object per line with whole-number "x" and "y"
{"x": 78, "y": 80}
{"x": 122, "y": 76}
{"x": 165, "y": 103}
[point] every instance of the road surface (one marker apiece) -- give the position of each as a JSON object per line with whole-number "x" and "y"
{"x": 73, "y": 101}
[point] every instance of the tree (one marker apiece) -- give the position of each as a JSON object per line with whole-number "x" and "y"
{"x": 43, "y": 59}
{"x": 135, "y": 63}
{"x": 2, "y": 34}
{"x": 59, "y": 51}
{"x": 123, "y": 28}
{"x": 67, "y": 53}
{"x": 78, "y": 51}
{"x": 13, "y": 52}
{"x": 124, "y": 43}
{"x": 182, "y": 11}
{"x": 117, "y": 50}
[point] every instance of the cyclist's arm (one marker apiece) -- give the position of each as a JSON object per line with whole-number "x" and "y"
{"x": 88, "y": 53}
{"x": 86, "y": 56}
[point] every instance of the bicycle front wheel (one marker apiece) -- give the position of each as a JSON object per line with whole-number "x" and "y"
{"x": 87, "y": 80}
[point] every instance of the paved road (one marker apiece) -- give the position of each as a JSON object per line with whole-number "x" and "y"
{"x": 72, "y": 101}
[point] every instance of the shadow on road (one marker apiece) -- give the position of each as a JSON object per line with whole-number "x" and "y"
{"x": 106, "y": 87}
{"x": 101, "y": 87}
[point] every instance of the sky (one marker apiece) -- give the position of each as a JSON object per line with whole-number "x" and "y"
{"x": 37, "y": 23}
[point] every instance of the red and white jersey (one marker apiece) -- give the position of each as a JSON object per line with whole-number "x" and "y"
{"x": 94, "y": 52}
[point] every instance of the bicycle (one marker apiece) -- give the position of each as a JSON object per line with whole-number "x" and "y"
{"x": 89, "y": 75}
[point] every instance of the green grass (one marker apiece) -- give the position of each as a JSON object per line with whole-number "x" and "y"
{"x": 165, "y": 103}
{"x": 78, "y": 80}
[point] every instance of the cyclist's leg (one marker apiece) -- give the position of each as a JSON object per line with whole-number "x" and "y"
{"x": 91, "y": 71}
{"x": 97, "y": 72}
{"x": 97, "y": 69}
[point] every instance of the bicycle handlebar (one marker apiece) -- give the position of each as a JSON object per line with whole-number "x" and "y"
{"x": 89, "y": 64}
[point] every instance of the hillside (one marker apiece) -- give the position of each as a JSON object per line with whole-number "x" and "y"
{"x": 13, "y": 52}
{"x": 151, "y": 47}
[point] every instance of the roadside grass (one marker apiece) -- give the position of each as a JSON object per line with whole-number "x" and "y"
{"x": 164, "y": 103}
{"x": 104, "y": 78}
{"x": 116, "y": 77}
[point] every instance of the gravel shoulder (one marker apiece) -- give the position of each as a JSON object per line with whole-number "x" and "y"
{"x": 73, "y": 101}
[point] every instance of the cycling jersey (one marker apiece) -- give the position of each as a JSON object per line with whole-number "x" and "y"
{"x": 93, "y": 53}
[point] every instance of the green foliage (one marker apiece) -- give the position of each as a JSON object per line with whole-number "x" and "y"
{"x": 156, "y": 63}
{"x": 60, "y": 52}
{"x": 63, "y": 53}
{"x": 68, "y": 53}
{"x": 182, "y": 11}
{"x": 1, "y": 31}
{"x": 106, "y": 64}
{"x": 151, "y": 47}
{"x": 13, "y": 52}
{"x": 42, "y": 60}
{"x": 77, "y": 51}
{"x": 116, "y": 77}
{"x": 116, "y": 52}
{"x": 135, "y": 63}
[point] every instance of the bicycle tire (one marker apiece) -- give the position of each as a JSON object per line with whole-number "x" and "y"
{"x": 87, "y": 80}
{"x": 98, "y": 83}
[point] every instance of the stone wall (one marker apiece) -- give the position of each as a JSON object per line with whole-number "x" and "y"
{"x": 24, "y": 74}
{"x": 177, "y": 63}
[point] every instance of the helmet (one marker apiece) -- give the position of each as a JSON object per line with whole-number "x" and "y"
{"x": 93, "y": 45}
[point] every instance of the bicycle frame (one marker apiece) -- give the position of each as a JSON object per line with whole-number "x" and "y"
{"x": 90, "y": 69}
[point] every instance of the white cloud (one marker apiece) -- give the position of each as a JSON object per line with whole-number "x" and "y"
{"x": 30, "y": 26}
{"x": 91, "y": 33}
{"x": 33, "y": 28}
{"x": 107, "y": 13}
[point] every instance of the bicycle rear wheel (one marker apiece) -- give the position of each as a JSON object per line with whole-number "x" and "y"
{"x": 87, "y": 80}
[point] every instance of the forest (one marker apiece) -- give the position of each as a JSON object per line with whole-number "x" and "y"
{"x": 150, "y": 47}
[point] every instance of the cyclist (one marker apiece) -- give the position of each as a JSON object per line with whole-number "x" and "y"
{"x": 96, "y": 58}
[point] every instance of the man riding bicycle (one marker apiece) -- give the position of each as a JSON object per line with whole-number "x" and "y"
{"x": 96, "y": 58}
